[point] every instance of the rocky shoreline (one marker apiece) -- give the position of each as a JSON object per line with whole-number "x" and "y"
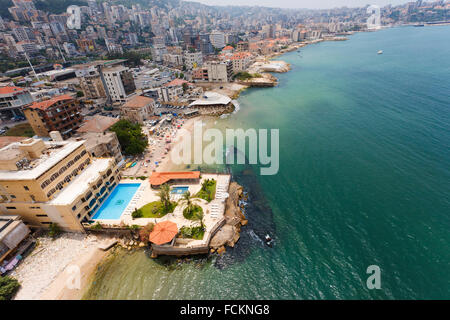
{"x": 229, "y": 234}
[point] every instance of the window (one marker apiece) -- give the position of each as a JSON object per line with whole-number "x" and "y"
{"x": 35, "y": 208}
{"x": 41, "y": 215}
{"x": 45, "y": 222}
{"x": 13, "y": 196}
{"x": 74, "y": 208}
{"x": 11, "y": 208}
{"x": 26, "y": 188}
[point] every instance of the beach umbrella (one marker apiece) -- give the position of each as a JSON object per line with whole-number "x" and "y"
{"x": 163, "y": 232}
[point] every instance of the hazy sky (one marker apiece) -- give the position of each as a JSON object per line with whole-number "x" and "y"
{"x": 310, "y": 4}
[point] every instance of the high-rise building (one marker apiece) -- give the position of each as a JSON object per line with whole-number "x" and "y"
{"x": 119, "y": 83}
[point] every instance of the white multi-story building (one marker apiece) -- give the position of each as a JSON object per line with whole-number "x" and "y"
{"x": 217, "y": 39}
{"x": 219, "y": 71}
{"x": 193, "y": 60}
{"x": 119, "y": 83}
{"x": 173, "y": 59}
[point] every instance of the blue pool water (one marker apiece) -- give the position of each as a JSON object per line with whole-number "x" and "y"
{"x": 179, "y": 190}
{"x": 117, "y": 201}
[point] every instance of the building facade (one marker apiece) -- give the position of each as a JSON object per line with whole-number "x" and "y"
{"x": 138, "y": 109}
{"x": 54, "y": 182}
{"x": 219, "y": 71}
{"x": 119, "y": 83}
{"x": 12, "y": 101}
{"x": 61, "y": 113}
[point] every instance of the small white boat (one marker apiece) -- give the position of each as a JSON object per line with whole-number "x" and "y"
{"x": 380, "y": 52}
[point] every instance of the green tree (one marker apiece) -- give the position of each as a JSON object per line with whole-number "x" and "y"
{"x": 188, "y": 198}
{"x": 164, "y": 196}
{"x": 8, "y": 287}
{"x": 130, "y": 136}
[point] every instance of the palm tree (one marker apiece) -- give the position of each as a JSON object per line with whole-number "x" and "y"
{"x": 164, "y": 195}
{"x": 198, "y": 215}
{"x": 187, "y": 197}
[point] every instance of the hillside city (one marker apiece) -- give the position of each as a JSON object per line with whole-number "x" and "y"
{"x": 92, "y": 99}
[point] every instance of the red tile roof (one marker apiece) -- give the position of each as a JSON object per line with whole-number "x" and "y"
{"x": 158, "y": 178}
{"x": 176, "y": 82}
{"x": 8, "y": 90}
{"x": 43, "y": 105}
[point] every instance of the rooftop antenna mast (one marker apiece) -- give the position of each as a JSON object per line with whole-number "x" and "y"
{"x": 59, "y": 48}
{"x": 34, "y": 71}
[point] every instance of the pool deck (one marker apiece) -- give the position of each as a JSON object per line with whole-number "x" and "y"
{"x": 213, "y": 211}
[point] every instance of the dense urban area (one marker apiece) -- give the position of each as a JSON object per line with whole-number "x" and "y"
{"x": 92, "y": 97}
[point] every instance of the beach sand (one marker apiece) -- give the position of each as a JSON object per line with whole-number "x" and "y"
{"x": 63, "y": 287}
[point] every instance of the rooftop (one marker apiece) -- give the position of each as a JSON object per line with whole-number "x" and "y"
{"x": 80, "y": 184}
{"x": 43, "y": 105}
{"x": 98, "y": 124}
{"x": 138, "y": 102}
{"x": 7, "y": 140}
{"x": 158, "y": 178}
{"x": 176, "y": 82}
{"x": 211, "y": 98}
{"x": 9, "y": 90}
{"x": 56, "y": 151}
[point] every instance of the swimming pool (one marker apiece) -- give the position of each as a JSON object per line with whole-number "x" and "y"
{"x": 117, "y": 201}
{"x": 179, "y": 190}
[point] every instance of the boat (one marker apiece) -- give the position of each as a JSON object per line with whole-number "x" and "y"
{"x": 419, "y": 25}
{"x": 380, "y": 52}
{"x": 128, "y": 164}
{"x": 269, "y": 240}
{"x": 133, "y": 164}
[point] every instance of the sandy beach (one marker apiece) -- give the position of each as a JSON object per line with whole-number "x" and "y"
{"x": 43, "y": 269}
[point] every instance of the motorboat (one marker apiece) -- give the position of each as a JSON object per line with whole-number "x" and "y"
{"x": 269, "y": 240}
{"x": 380, "y": 52}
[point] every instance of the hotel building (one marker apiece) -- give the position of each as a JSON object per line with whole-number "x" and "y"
{"x": 54, "y": 182}
{"x": 61, "y": 113}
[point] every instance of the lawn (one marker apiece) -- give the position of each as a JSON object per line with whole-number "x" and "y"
{"x": 208, "y": 190}
{"x": 21, "y": 130}
{"x": 192, "y": 215}
{"x": 155, "y": 209}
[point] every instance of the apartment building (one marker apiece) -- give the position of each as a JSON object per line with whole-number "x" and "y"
{"x": 119, "y": 83}
{"x": 54, "y": 182}
{"x": 219, "y": 71}
{"x": 61, "y": 113}
{"x": 217, "y": 39}
{"x": 91, "y": 81}
{"x": 12, "y": 101}
{"x": 138, "y": 109}
{"x": 172, "y": 90}
{"x": 241, "y": 61}
{"x": 193, "y": 60}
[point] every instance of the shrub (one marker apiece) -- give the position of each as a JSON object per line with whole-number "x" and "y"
{"x": 137, "y": 213}
{"x": 55, "y": 230}
{"x": 144, "y": 232}
{"x": 134, "y": 227}
{"x": 8, "y": 287}
{"x": 97, "y": 226}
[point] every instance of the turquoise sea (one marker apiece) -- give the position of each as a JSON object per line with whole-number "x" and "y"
{"x": 364, "y": 180}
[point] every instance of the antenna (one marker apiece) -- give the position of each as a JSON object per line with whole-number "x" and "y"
{"x": 59, "y": 48}
{"x": 35, "y": 74}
